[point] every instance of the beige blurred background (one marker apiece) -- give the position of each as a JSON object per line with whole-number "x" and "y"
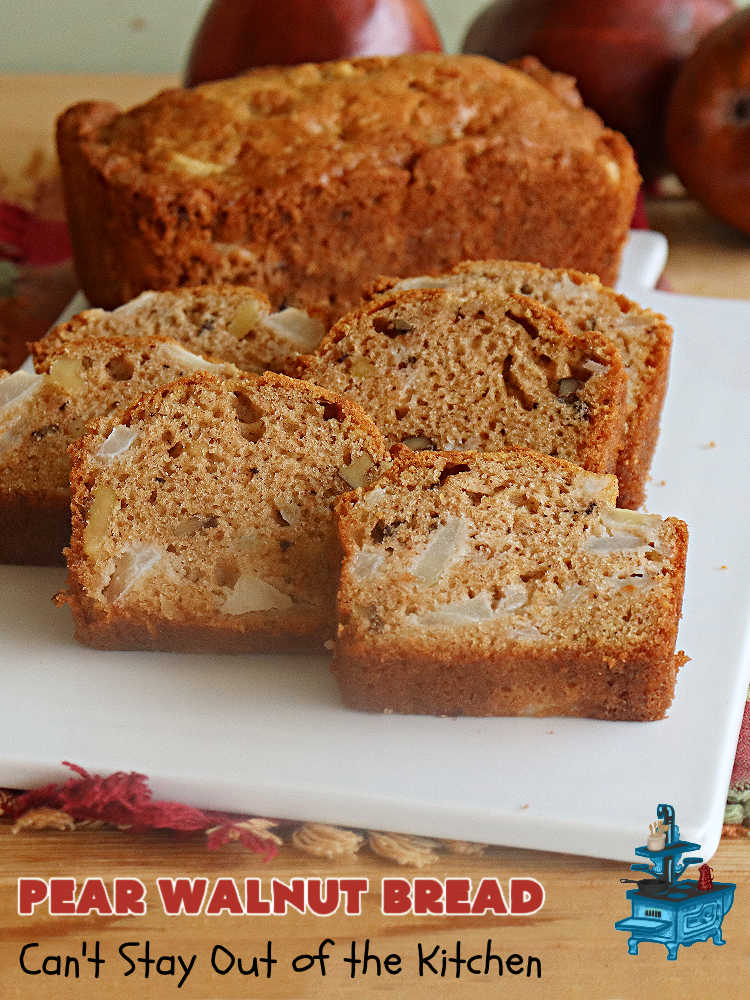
{"x": 135, "y": 36}
{"x": 140, "y": 36}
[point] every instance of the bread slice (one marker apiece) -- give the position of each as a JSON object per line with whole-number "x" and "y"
{"x": 203, "y": 515}
{"x": 41, "y": 414}
{"x": 34, "y": 497}
{"x": 474, "y": 368}
{"x": 642, "y": 337}
{"x": 231, "y": 322}
{"x": 475, "y": 583}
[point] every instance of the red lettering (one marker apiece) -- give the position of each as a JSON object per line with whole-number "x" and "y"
{"x": 31, "y": 892}
{"x": 182, "y": 895}
{"x": 353, "y": 889}
{"x": 129, "y": 896}
{"x": 395, "y": 895}
{"x": 61, "y": 896}
{"x": 489, "y": 896}
{"x": 526, "y": 896}
{"x": 318, "y": 904}
{"x": 254, "y": 902}
{"x": 289, "y": 895}
{"x": 94, "y": 896}
{"x": 457, "y": 895}
{"x": 428, "y": 895}
{"x": 224, "y": 897}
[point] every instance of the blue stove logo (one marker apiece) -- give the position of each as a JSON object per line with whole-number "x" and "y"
{"x": 665, "y": 908}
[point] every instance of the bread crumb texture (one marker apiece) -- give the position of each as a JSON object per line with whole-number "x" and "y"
{"x": 77, "y": 380}
{"x": 232, "y": 323}
{"x": 41, "y": 414}
{"x": 506, "y": 584}
{"x": 643, "y": 340}
{"x": 472, "y": 367}
{"x": 202, "y": 515}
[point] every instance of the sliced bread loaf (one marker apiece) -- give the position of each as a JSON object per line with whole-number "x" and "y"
{"x": 230, "y": 322}
{"x": 643, "y": 339}
{"x": 203, "y": 515}
{"x": 476, "y": 368}
{"x": 505, "y": 584}
{"x": 41, "y": 414}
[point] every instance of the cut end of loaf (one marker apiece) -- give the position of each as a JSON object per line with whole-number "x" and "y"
{"x": 42, "y": 414}
{"x": 641, "y": 337}
{"x": 476, "y": 368}
{"x": 203, "y": 514}
{"x": 506, "y": 584}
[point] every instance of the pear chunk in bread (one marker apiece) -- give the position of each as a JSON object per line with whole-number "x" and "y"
{"x": 459, "y": 369}
{"x": 231, "y": 322}
{"x": 508, "y": 583}
{"x": 42, "y": 414}
{"x": 203, "y": 515}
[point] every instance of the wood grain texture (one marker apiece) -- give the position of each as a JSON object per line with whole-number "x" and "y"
{"x": 581, "y": 954}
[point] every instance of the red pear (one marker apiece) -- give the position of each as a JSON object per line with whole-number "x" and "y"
{"x": 708, "y": 122}
{"x": 236, "y": 35}
{"x": 625, "y": 55}
{"x": 505, "y": 29}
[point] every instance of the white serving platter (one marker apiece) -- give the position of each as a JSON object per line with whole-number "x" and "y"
{"x": 268, "y": 734}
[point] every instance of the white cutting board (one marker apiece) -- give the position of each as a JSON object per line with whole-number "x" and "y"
{"x": 268, "y": 735}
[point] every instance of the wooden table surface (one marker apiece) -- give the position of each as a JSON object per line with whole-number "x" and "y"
{"x": 581, "y": 955}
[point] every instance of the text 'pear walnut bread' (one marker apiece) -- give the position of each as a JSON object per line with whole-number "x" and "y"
{"x": 505, "y": 584}
{"x": 309, "y": 181}
{"x": 203, "y": 515}
{"x": 42, "y": 414}
{"x": 643, "y": 339}
{"x": 471, "y": 368}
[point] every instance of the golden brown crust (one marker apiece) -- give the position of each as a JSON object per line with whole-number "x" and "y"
{"x": 381, "y": 667}
{"x": 561, "y": 85}
{"x": 122, "y": 631}
{"x": 578, "y": 684}
{"x": 634, "y": 460}
{"x": 347, "y": 162}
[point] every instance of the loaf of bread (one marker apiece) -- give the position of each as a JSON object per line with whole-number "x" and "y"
{"x": 309, "y": 181}
{"x": 505, "y": 583}
{"x": 229, "y": 322}
{"x": 42, "y": 414}
{"x": 474, "y": 368}
{"x": 643, "y": 339}
{"x": 203, "y": 515}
